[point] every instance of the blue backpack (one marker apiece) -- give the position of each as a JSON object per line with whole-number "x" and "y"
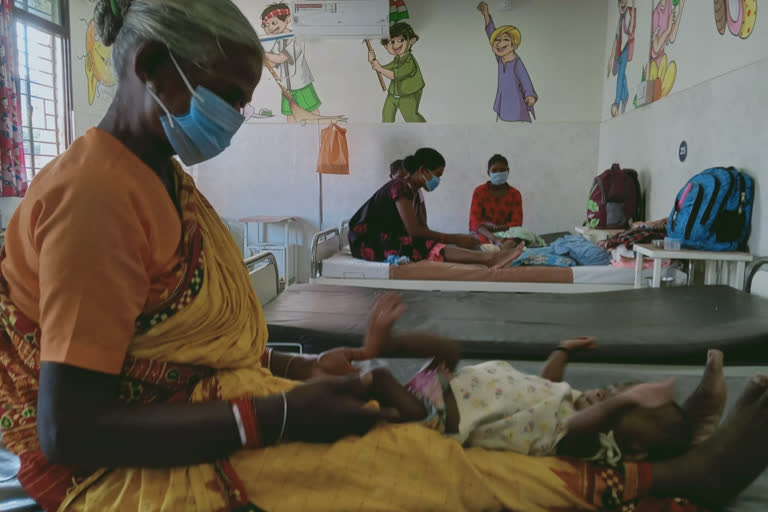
{"x": 713, "y": 212}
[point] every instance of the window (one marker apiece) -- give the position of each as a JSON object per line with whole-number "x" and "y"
{"x": 43, "y": 56}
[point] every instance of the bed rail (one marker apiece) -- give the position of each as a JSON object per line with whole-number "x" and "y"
{"x": 324, "y": 245}
{"x": 344, "y": 231}
{"x": 265, "y": 276}
{"x": 755, "y": 267}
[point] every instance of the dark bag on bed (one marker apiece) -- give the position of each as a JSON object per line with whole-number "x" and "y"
{"x": 713, "y": 212}
{"x": 614, "y": 200}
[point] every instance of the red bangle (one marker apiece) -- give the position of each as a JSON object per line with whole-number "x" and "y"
{"x": 247, "y": 423}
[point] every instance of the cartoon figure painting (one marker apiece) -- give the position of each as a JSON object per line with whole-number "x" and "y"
{"x": 621, "y": 54}
{"x": 742, "y": 24}
{"x": 665, "y": 23}
{"x": 98, "y": 63}
{"x": 397, "y": 11}
{"x": 515, "y": 95}
{"x": 406, "y": 82}
{"x": 287, "y": 57}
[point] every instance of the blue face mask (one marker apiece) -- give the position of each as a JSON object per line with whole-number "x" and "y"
{"x": 206, "y": 131}
{"x": 499, "y": 178}
{"x": 432, "y": 183}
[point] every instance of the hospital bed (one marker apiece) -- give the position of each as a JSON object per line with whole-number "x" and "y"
{"x": 333, "y": 264}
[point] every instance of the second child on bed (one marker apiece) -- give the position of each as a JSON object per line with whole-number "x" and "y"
{"x": 494, "y": 406}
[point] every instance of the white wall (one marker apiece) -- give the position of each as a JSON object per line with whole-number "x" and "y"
{"x": 270, "y": 169}
{"x": 716, "y": 106}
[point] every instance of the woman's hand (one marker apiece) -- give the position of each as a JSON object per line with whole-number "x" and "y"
{"x": 326, "y": 410}
{"x": 584, "y": 343}
{"x": 388, "y": 310}
{"x": 467, "y": 241}
{"x": 530, "y": 101}
{"x": 337, "y": 361}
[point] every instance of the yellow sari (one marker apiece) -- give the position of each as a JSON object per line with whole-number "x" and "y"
{"x": 214, "y": 330}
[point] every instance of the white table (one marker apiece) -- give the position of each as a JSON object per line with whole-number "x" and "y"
{"x": 262, "y": 244}
{"x": 712, "y": 259}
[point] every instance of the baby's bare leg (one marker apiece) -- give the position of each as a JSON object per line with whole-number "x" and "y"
{"x": 704, "y": 408}
{"x": 390, "y": 393}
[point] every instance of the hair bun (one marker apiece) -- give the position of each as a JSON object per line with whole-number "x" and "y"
{"x": 107, "y": 22}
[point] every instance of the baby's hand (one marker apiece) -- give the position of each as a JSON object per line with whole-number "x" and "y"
{"x": 652, "y": 394}
{"x": 385, "y": 313}
{"x": 584, "y": 343}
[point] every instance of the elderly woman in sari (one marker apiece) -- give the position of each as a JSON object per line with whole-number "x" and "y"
{"x": 133, "y": 360}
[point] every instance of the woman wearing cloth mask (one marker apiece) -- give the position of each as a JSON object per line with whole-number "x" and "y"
{"x": 388, "y": 225}
{"x": 133, "y": 368}
{"x": 496, "y": 206}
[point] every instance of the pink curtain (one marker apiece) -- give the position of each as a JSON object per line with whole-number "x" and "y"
{"x": 14, "y": 174}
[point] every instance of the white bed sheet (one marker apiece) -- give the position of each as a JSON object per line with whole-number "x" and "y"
{"x": 343, "y": 266}
{"x": 608, "y": 274}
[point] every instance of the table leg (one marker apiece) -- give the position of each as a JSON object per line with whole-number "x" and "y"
{"x": 741, "y": 270}
{"x": 657, "y": 272}
{"x": 638, "y": 270}
{"x": 287, "y": 248}
{"x": 710, "y": 272}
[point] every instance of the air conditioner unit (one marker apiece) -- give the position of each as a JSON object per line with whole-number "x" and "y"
{"x": 342, "y": 18}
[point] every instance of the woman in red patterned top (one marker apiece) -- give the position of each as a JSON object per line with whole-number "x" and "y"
{"x": 496, "y": 206}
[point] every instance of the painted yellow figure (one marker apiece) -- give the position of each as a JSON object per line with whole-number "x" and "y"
{"x": 98, "y": 63}
{"x": 664, "y": 26}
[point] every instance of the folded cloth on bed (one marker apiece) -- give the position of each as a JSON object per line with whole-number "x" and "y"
{"x": 543, "y": 257}
{"x": 640, "y": 234}
{"x": 581, "y": 250}
{"x": 530, "y": 238}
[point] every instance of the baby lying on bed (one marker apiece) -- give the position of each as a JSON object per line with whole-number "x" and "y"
{"x": 493, "y": 405}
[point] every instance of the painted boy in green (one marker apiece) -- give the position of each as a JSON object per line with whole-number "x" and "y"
{"x": 406, "y": 82}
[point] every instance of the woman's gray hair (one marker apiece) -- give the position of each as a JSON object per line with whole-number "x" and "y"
{"x": 191, "y": 29}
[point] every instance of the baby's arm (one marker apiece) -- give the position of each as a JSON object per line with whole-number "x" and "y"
{"x": 379, "y": 340}
{"x": 554, "y": 368}
{"x": 390, "y": 393}
{"x": 582, "y": 439}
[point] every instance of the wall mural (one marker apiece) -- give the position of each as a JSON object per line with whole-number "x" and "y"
{"x": 406, "y": 83}
{"x": 99, "y": 73}
{"x": 621, "y": 54}
{"x": 287, "y": 63}
{"x": 665, "y": 23}
{"x": 515, "y": 95}
{"x": 397, "y": 11}
{"x": 660, "y": 73}
{"x": 740, "y": 25}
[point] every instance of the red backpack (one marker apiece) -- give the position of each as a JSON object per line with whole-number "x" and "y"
{"x": 614, "y": 200}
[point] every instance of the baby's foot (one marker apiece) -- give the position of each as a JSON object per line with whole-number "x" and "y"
{"x": 704, "y": 408}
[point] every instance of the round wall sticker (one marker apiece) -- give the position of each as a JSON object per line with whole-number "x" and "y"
{"x": 683, "y": 151}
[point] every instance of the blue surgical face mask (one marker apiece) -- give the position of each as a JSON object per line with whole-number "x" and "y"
{"x": 432, "y": 183}
{"x": 206, "y": 131}
{"x": 499, "y": 178}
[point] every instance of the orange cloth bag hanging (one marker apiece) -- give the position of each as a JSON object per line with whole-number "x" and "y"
{"x": 334, "y": 153}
